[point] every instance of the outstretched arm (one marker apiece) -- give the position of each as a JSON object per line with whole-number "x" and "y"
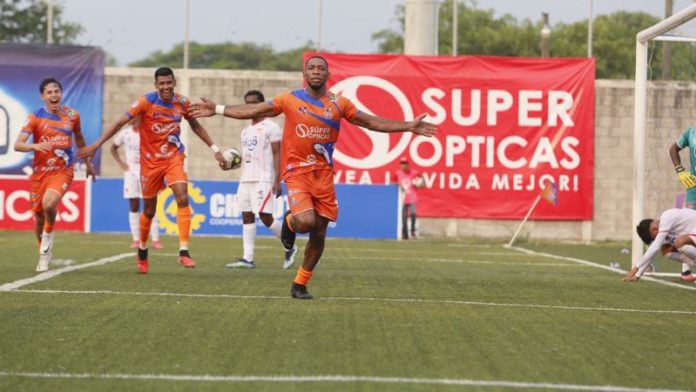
{"x": 89, "y": 151}
{"x": 21, "y": 144}
{"x": 208, "y": 108}
{"x": 380, "y": 124}
{"x": 640, "y": 267}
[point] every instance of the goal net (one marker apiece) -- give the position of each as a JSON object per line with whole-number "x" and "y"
{"x": 659, "y": 118}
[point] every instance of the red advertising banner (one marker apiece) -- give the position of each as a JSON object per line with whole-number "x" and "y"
{"x": 15, "y": 205}
{"x": 506, "y": 127}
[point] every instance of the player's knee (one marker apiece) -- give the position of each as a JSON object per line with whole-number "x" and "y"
{"x": 267, "y": 219}
{"x": 182, "y": 201}
{"x": 304, "y": 223}
{"x": 683, "y": 240}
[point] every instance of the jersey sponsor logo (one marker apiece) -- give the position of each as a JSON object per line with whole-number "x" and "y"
{"x": 305, "y": 131}
{"x": 160, "y": 128}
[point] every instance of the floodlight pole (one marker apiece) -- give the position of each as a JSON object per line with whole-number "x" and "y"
{"x": 186, "y": 34}
{"x": 455, "y": 22}
{"x": 49, "y": 21}
{"x": 589, "y": 32}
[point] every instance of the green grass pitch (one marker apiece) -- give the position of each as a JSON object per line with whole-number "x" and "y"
{"x": 424, "y": 315}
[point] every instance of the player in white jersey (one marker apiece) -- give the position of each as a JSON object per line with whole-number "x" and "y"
{"x": 673, "y": 234}
{"x": 259, "y": 184}
{"x": 129, "y": 137}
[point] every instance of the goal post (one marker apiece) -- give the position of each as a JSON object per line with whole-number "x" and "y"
{"x": 654, "y": 32}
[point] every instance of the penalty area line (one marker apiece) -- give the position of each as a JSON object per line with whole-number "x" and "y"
{"x": 53, "y": 273}
{"x": 597, "y": 265}
{"x": 333, "y": 379}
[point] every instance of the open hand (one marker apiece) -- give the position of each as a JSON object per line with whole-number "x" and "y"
{"x": 202, "y": 109}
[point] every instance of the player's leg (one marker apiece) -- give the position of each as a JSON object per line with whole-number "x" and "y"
{"x": 687, "y": 255}
{"x": 404, "y": 222}
{"x": 149, "y": 210}
{"x": 312, "y": 255}
{"x": 56, "y": 186}
{"x": 155, "y": 233}
{"x": 248, "y": 240}
{"x": 265, "y": 206}
{"x": 412, "y": 209}
{"x": 183, "y": 221}
{"x": 37, "y": 190}
{"x": 131, "y": 192}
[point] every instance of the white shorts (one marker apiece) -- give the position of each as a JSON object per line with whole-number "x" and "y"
{"x": 131, "y": 186}
{"x": 256, "y": 197}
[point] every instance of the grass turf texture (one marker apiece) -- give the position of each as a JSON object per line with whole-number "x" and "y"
{"x": 423, "y": 309}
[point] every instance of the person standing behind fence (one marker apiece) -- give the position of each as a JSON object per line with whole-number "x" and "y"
{"x": 407, "y": 178}
{"x": 259, "y": 183}
{"x": 52, "y": 128}
{"x": 686, "y": 140}
{"x": 129, "y": 137}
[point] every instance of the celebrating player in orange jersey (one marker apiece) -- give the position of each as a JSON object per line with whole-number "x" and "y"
{"x": 312, "y": 122}
{"x": 52, "y": 128}
{"x": 161, "y": 157}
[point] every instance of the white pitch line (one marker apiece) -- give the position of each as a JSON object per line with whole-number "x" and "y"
{"x": 597, "y": 265}
{"x": 370, "y": 299}
{"x": 452, "y": 261}
{"x": 55, "y": 272}
{"x": 335, "y": 379}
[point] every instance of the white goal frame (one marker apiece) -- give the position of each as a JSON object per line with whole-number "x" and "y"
{"x": 655, "y": 33}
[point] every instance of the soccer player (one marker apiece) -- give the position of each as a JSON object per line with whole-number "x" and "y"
{"x": 161, "y": 157}
{"x": 312, "y": 122}
{"x": 673, "y": 234}
{"x": 686, "y": 140}
{"x": 405, "y": 177}
{"x": 129, "y": 137}
{"x": 52, "y": 128}
{"x": 259, "y": 183}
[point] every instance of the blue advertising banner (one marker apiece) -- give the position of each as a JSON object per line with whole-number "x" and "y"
{"x": 366, "y": 211}
{"x": 80, "y": 70}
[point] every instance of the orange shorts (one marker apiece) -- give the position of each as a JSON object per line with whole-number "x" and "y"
{"x": 57, "y": 182}
{"x": 152, "y": 178}
{"x": 313, "y": 190}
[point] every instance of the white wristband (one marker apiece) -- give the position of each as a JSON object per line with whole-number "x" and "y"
{"x": 215, "y": 149}
{"x": 220, "y": 109}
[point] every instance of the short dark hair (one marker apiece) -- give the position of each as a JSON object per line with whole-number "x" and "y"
{"x": 48, "y": 81}
{"x": 258, "y": 94}
{"x": 163, "y": 71}
{"x": 643, "y": 230}
{"x": 316, "y": 56}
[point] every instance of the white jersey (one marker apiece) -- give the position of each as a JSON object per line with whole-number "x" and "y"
{"x": 130, "y": 138}
{"x": 257, "y": 154}
{"x": 673, "y": 223}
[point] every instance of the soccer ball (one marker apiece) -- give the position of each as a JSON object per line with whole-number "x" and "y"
{"x": 233, "y": 159}
{"x": 418, "y": 182}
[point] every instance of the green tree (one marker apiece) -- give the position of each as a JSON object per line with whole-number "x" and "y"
{"x": 228, "y": 56}
{"x": 24, "y": 21}
{"x": 481, "y": 33}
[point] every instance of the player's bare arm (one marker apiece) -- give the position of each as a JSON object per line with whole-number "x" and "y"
{"x": 207, "y": 108}
{"x": 380, "y": 124}
{"x": 198, "y": 129}
{"x": 674, "y": 154}
{"x": 80, "y": 143}
{"x": 110, "y": 131}
{"x": 21, "y": 144}
{"x": 117, "y": 157}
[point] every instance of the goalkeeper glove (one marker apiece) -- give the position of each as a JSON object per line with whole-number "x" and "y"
{"x": 686, "y": 178}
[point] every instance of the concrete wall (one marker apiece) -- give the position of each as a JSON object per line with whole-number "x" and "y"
{"x": 671, "y": 108}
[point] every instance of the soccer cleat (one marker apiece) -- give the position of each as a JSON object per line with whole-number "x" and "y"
{"x": 287, "y": 236}
{"x": 187, "y": 262}
{"x": 142, "y": 266}
{"x": 290, "y": 257}
{"x": 157, "y": 245}
{"x": 241, "y": 263}
{"x": 44, "y": 259}
{"x": 687, "y": 276}
{"x": 299, "y": 291}
{"x": 135, "y": 244}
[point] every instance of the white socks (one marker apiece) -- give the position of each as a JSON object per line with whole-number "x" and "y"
{"x": 275, "y": 227}
{"x": 46, "y": 242}
{"x": 689, "y": 251}
{"x": 248, "y": 239}
{"x": 154, "y": 229}
{"x": 134, "y": 222}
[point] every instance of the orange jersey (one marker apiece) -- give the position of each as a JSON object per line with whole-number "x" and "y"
{"x": 159, "y": 126}
{"x": 56, "y": 129}
{"x": 311, "y": 129}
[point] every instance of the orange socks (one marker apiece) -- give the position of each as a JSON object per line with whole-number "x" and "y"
{"x": 145, "y": 224}
{"x": 303, "y": 276}
{"x": 183, "y": 220}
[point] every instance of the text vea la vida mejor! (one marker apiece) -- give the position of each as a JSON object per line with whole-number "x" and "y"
{"x": 496, "y": 150}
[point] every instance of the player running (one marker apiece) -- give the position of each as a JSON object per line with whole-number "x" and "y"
{"x": 312, "y": 123}
{"x": 161, "y": 157}
{"x": 52, "y": 128}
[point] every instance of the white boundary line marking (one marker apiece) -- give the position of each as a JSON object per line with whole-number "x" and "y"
{"x": 52, "y": 273}
{"x": 370, "y": 299}
{"x": 597, "y": 265}
{"x": 335, "y": 379}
